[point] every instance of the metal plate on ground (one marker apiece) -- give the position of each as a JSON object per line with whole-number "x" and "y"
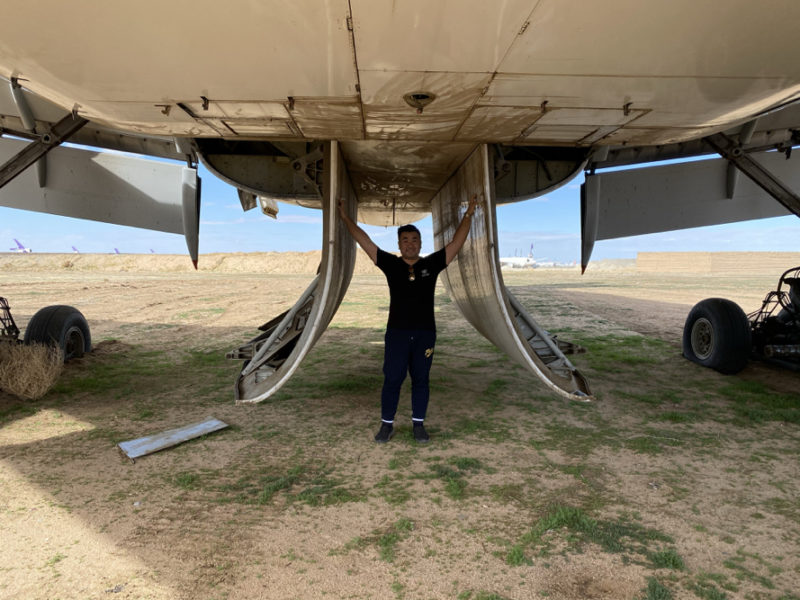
{"x": 159, "y": 441}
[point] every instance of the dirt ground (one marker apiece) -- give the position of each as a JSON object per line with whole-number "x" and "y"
{"x": 676, "y": 482}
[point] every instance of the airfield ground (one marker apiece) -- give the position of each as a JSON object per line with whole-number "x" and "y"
{"x": 677, "y": 482}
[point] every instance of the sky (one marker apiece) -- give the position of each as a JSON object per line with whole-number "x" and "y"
{"x": 551, "y": 223}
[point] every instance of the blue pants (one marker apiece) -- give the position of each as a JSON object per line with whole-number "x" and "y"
{"x": 406, "y": 351}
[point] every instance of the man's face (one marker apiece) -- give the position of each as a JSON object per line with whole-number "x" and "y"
{"x": 409, "y": 244}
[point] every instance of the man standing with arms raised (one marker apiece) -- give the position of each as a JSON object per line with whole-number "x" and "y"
{"x": 411, "y": 328}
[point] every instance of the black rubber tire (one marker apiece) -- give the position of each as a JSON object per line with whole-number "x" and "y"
{"x": 717, "y": 335}
{"x": 63, "y": 326}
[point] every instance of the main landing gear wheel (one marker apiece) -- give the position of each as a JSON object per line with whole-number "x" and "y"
{"x": 717, "y": 335}
{"x": 62, "y": 326}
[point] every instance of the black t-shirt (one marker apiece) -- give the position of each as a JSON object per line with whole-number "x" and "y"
{"x": 411, "y": 302}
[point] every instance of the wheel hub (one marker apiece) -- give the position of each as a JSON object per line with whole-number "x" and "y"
{"x": 73, "y": 343}
{"x": 702, "y": 338}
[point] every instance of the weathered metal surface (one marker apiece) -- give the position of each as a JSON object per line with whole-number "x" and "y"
{"x": 689, "y": 194}
{"x": 764, "y": 178}
{"x": 524, "y": 172}
{"x": 475, "y": 283}
{"x": 262, "y": 376}
{"x": 9, "y": 332}
{"x": 29, "y": 123}
{"x": 39, "y": 147}
{"x": 110, "y": 188}
{"x": 166, "y": 439}
{"x": 339, "y": 69}
{"x": 392, "y": 186}
{"x": 263, "y": 168}
{"x": 630, "y": 202}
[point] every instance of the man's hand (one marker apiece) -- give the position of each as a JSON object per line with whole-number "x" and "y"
{"x": 473, "y": 204}
{"x": 460, "y": 235}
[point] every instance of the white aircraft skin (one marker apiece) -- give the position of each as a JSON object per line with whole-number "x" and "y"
{"x": 681, "y": 68}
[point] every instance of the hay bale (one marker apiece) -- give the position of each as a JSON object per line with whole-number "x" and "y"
{"x": 29, "y": 371}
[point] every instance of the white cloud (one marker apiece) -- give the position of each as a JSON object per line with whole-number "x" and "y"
{"x": 300, "y": 219}
{"x": 233, "y": 222}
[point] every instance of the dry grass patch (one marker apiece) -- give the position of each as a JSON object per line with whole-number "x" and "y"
{"x": 29, "y": 371}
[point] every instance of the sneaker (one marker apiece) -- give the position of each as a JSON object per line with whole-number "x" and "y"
{"x": 420, "y": 435}
{"x": 384, "y": 434}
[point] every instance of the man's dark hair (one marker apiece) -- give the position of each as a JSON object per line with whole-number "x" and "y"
{"x": 407, "y": 229}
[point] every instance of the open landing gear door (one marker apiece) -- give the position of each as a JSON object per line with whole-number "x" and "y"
{"x": 272, "y": 357}
{"x": 475, "y": 283}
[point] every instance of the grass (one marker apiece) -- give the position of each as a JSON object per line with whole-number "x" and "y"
{"x": 572, "y": 526}
{"x": 742, "y": 572}
{"x": 754, "y": 403}
{"x": 299, "y": 483}
{"x": 387, "y": 542}
{"x": 16, "y": 410}
{"x": 384, "y": 540}
{"x": 656, "y": 591}
{"x": 667, "y": 559}
{"x": 578, "y": 440}
{"x": 516, "y": 556}
{"x": 614, "y": 353}
{"x": 454, "y": 473}
{"x": 514, "y": 478}
{"x": 394, "y": 492}
{"x": 186, "y": 481}
{"x": 707, "y": 591}
{"x": 121, "y": 375}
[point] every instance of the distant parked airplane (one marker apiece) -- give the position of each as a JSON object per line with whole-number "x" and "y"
{"x": 20, "y": 248}
{"x": 116, "y": 251}
{"x": 520, "y": 262}
{"x": 75, "y": 250}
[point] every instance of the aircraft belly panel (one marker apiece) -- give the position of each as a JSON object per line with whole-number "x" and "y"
{"x": 150, "y": 51}
{"x": 678, "y": 38}
{"x": 475, "y": 283}
{"x": 391, "y": 178}
{"x": 506, "y": 123}
{"x": 304, "y": 57}
{"x": 420, "y": 35}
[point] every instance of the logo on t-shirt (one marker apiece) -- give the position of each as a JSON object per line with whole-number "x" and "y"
{"x": 424, "y": 273}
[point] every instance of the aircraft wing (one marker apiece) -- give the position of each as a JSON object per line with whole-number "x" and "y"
{"x": 401, "y": 110}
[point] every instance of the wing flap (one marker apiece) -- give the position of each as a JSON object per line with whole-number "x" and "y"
{"x": 109, "y": 187}
{"x": 683, "y": 195}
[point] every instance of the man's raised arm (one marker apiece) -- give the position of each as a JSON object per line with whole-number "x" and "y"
{"x": 460, "y": 236}
{"x": 359, "y": 235}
